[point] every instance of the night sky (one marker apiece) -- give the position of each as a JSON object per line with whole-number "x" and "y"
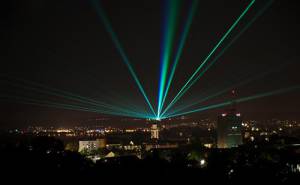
{"x": 63, "y": 44}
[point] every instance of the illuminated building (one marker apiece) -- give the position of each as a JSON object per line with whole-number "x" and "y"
{"x": 229, "y": 128}
{"x": 91, "y": 145}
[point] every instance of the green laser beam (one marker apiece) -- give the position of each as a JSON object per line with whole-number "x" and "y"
{"x": 212, "y": 52}
{"x": 228, "y": 89}
{"x": 43, "y": 102}
{"x": 119, "y": 47}
{"x": 45, "y": 88}
{"x": 126, "y": 103}
{"x": 182, "y": 42}
{"x": 46, "y": 103}
{"x": 70, "y": 96}
{"x": 112, "y": 97}
{"x": 240, "y": 100}
{"x": 168, "y": 39}
{"x": 220, "y": 54}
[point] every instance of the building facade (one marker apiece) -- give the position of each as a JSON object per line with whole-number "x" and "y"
{"x": 90, "y": 145}
{"x": 229, "y": 130}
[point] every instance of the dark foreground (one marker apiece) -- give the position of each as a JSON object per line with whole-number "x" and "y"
{"x": 45, "y": 160}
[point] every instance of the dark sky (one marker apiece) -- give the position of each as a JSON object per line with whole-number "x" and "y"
{"x": 63, "y": 44}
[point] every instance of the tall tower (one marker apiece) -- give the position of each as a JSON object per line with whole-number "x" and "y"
{"x": 229, "y": 126}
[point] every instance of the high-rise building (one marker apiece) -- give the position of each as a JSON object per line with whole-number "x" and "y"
{"x": 229, "y": 128}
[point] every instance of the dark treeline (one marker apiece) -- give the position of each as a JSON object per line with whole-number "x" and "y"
{"x": 32, "y": 158}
